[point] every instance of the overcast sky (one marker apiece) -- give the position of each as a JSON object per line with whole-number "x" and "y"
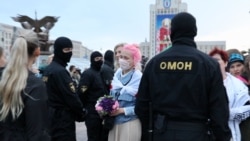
{"x": 101, "y": 24}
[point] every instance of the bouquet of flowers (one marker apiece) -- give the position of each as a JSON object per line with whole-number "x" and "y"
{"x": 106, "y": 105}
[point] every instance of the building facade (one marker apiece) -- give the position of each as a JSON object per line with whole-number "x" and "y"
{"x": 145, "y": 48}
{"x": 204, "y": 46}
{"x": 161, "y": 14}
{"x": 207, "y": 46}
{"x": 8, "y": 34}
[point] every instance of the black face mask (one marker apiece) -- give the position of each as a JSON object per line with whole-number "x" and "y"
{"x": 59, "y": 45}
{"x": 97, "y": 65}
{"x": 183, "y": 25}
{"x": 67, "y": 56}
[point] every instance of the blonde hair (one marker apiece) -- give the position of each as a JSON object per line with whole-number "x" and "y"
{"x": 14, "y": 76}
{"x": 116, "y": 63}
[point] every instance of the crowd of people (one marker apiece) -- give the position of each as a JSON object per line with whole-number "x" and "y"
{"x": 181, "y": 94}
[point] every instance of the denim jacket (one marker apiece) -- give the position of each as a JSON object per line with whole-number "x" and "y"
{"x": 125, "y": 94}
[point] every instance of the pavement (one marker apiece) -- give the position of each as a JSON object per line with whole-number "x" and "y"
{"x": 81, "y": 133}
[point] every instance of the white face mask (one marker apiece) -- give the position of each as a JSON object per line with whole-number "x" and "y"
{"x": 124, "y": 65}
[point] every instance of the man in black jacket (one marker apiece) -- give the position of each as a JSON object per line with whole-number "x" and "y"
{"x": 182, "y": 89}
{"x": 65, "y": 105}
{"x": 107, "y": 70}
{"x": 91, "y": 87}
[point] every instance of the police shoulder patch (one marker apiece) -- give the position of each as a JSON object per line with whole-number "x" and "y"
{"x": 45, "y": 78}
{"x": 72, "y": 87}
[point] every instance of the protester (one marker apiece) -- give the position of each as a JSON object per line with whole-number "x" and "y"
{"x": 23, "y": 97}
{"x": 181, "y": 90}
{"x": 236, "y": 66}
{"x": 65, "y": 105}
{"x": 117, "y": 51}
{"x": 237, "y": 94}
{"x": 245, "y": 125}
{"x": 77, "y": 76}
{"x": 73, "y": 74}
{"x": 247, "y": 67}
{"x": 45, "y": 64}
{"x": 125, "y": 85}
{"x": 91, "y": 87}
{"x": 72, "y": 69}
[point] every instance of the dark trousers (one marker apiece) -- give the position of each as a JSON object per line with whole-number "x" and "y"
{"x": 62, "y": 126}
{"x": 245, "y": 129}
{"x": 179, "y": 131}
{"x": 95, "y": 130}
{"x": 180, "y": 135}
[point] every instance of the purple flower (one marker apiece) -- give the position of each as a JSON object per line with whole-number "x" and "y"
{"x": 105, "y": 105}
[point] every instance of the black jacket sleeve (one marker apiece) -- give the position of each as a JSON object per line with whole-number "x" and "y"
{"x": 36, "y": 112}
{"x": 142, "y": 104}
{"x": 84, "y": 85}
{"x": 218, "y": 107}
{"x": 68, "y": 91}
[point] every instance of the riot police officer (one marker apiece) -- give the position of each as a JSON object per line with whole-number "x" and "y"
{"x": 182, "y": 89}
{"x": 91, "y": 87}
{"x": 65, "y": 105}
{"x": 107, "y": 70}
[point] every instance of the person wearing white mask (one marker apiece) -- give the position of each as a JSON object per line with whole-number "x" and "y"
{"x": 127, "y": 126}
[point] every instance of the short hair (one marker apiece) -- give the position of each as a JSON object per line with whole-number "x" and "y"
{"x": 222, "y": 53}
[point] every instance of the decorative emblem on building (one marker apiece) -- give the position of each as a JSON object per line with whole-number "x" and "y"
{"x": 36, "y": 25}
{"x": 28, "y": 23}
{"x": 167, "y": 3}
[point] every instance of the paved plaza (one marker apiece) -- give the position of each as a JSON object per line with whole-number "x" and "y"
{"x": 81, "y": 131}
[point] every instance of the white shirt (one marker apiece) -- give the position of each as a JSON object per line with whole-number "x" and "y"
{"x": 237, "y": 93}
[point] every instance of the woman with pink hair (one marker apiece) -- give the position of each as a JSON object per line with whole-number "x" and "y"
{"x": 127, "y": 126}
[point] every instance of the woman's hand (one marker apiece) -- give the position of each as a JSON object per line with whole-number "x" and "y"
{"x": 117, "y": 112}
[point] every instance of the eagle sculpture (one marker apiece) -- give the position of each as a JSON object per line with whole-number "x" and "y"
{"x": 27, "y": 23}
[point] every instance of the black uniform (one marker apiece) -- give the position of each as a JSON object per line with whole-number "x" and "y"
{"x": 91, "y": 87}
{"x": 92, "y": 79}
{"x": 186, "y": 89}
{"x": 107, "y": 70}
{"x": 65, "y": 105}
{"x": 31, "y": 125}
